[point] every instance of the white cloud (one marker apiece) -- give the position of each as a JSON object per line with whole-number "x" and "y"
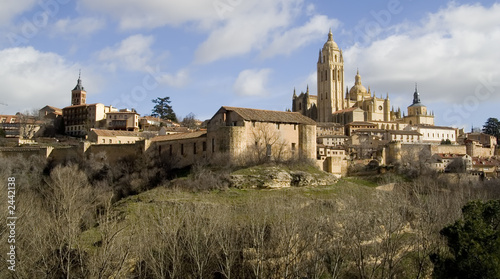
{"x": 133, "y": 53}
{"x": 247, "y": 27}
{"x": 154, "y": 13}
{"x": 252, "y": 82}
{"x": 78, "y": 26}
{"x": 10, "y": 9}
{"x": 295, "y": 38}
{"x": 450, "y": 54}
{"x": 178, "y": 80}
{"x": 32, "y": 79}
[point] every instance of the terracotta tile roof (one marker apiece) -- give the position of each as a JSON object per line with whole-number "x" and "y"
{"x": 181, "y": 136}
{"x": 8, "y": 118}
{"x": 116, "y": 133}
{"x": 369, "y": 131}
{"x": 361, "y": 123}
{"x": 56, "y": 110}
{"x": 449, "y": 155}
{"x": 329, "y": 124}
{"x": 83, "y": 105}
{"x": 435, "y": 127}
{"x": 271, "y": 116}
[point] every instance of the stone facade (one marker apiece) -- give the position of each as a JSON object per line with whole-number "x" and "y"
{"x": 124, "y": 119}
{"x": 278, "y": 135}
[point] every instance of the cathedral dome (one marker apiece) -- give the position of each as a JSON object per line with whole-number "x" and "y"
{"x": 358, "y": 89}
{"x": 330, "y": 43}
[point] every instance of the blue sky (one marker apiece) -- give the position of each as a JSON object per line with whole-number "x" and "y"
{"x": 205, "y": 54}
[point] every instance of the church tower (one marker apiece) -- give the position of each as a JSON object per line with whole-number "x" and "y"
{"x": 78, "y": 94}
{"x": 330, "y": 71}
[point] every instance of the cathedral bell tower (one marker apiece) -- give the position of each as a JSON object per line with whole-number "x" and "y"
{"x": 330, "y": 71}
{"x": 78, "y": 94}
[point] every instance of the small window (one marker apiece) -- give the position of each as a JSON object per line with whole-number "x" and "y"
{"x": 182, "y": 149}
{"x": 194, "y": 148}
{"x": 204, "y": 146}
{"x": 293, "y": 146}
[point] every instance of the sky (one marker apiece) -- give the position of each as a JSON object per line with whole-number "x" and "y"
{"x": 249, "y": 53}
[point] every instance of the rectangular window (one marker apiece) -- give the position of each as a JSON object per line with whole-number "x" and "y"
{"x": 182, "y": 149}
{"x": 170, "y": 150}
{"x": 194, "y": 148}
{"x": 213, "y": 145}
{"x": 204, "y": 146}
{"x": 293, "y": 146}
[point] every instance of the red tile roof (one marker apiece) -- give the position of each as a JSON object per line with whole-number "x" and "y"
{"x": 270, "y": 116}
{"x": 192, "y": 135}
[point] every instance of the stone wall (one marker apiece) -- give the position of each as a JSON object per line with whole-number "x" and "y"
{"x": 477, "y": 150}
{"x": 183, "y": 152}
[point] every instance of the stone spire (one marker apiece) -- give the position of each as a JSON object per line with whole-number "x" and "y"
{"x": 79, "y": 85}
{"x": 416, "y": 96}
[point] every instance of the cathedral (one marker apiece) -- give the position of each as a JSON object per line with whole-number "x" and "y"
{"x": 334, "y": 105}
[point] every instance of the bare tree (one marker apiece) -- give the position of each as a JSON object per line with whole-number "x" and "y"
{"x": 70, "y": 201}
{"x": 110, "y": 257}
{"x": 269, "y": 144}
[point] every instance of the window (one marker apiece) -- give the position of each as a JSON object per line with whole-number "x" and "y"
{"x": 110, "y": 141}
{"x": 213, "y": 145}
{"x": 170, "y": 150}
{"x": 293, "y": 146}
{"x": 295, "y": 126}
{"x": 277, "y": 126}
{"x": 103, "y": 141}
{"x": 182, "y": 149}
{"x": 194, "y": 148}
{"x": 204, "y": 146}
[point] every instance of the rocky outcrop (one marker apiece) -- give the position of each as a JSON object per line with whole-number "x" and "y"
{"x": 276, "y": 177}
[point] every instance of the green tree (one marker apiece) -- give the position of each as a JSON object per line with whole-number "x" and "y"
{"x": 163, "y": 109}
{"x": 492, "y": 127}
{"x": 474, "y": 243}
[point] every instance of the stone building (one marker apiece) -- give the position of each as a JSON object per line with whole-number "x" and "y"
{"x": 305, "y": 104}
{"x": 113, "y": 137}
{"x": 124, "y": 119}
{"x": 267, "y": 134}
{"x": 335, "y": 105}
{"x": 80, "y": 117}
{"x": 417, "y": 112}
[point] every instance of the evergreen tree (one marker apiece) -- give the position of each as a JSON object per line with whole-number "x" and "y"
{"x": 474, "y": 243}
{"x": 492, "y": 127}
{"x": 163, "y": 109}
